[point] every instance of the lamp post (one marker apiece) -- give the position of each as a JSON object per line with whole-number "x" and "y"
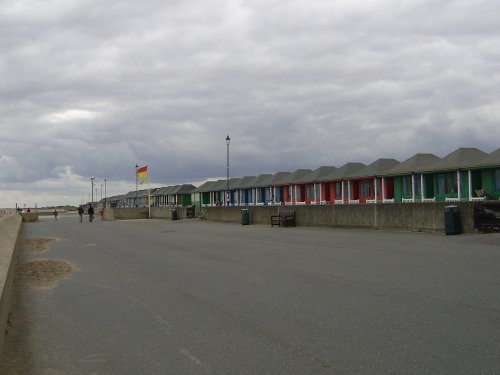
{"x": 227, "y": 143}
{"x": 135, "y": 199}
{"x": 105, "y": 196}
{"x": 92, "y": 190}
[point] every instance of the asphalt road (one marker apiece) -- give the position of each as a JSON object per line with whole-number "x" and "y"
{"x": 192, "y": 297}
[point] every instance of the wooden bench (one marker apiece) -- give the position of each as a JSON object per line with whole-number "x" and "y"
{"x": 286, "y": 217}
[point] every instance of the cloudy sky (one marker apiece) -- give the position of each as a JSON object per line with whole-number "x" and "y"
{"x": 92, "y": 88}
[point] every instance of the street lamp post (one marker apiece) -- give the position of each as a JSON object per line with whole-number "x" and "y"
{"x": 135, "y": 199}
{"x": 92, "y": 190}
{"x": 105, "y": 196}
{"x": 227, "y": 143}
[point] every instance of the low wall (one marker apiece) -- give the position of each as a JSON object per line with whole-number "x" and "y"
{"x": 428, "y": 217}
{"x": 29, "y": 217}
{"x": 143, "y": 213}
{"x": 10, "y": 242}
{"x": 166, "y": 213}
{"x": 124, "y": 213}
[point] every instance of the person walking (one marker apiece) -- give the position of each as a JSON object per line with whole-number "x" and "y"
{"x": 55, "y": 214}
{"x": 91, "y": 213}
{"x": 80, "y": 213}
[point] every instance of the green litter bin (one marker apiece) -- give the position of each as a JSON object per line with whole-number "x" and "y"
{"x": 245, "y": 218}
{"x": 452, "y": 220}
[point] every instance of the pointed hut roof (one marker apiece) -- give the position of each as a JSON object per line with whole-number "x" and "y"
{"x": 491, "y": 160}
{"x": 320, "y": 174}
{"x": 222, "y": 184}
{"x": 296, "y": 176}
{"x": 279, "y": 178}
{"x": 145, "y": 192}
{"x": 130, "y": 194}
{"x": 183, "y": 189}
{"x": 245, "y": 182}
{"x": 417, "y": 163}
{"x": 347, "y": 170}
{"x": 205, "y": 187}
{"x": 377, "y": 168}
{"x": 160, "y": 191}
{"x": 116, "y": 198}
{"x": 263, "y": 180}
{"x": 458, "y": 159}
{"x": 167, "y": 190}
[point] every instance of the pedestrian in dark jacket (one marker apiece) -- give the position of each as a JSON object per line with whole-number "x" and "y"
{"x": 91, "y": 213}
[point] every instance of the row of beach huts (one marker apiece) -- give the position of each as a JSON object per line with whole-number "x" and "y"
{"x": 467, "y": 174}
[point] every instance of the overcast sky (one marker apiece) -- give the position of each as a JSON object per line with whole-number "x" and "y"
{"x": 92, "y": 88}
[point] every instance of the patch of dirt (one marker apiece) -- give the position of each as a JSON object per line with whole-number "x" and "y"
{"x": 38, "y": 244}
{"x": 42, "y": 273}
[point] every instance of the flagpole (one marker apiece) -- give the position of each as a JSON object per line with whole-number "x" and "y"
{"x": 149, "y": 192}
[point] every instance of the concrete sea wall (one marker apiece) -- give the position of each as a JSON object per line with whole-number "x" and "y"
{"x": 143, "y": 213}
{"x": 30, "y": 217}
{"x": 10, "y": 242}
{"x": 428, "y": 217}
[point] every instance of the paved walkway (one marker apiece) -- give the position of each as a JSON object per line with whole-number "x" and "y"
{"x": 191, "y": 297}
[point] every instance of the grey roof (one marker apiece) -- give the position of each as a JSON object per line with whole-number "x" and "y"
{"x": 183, "y": 189}
{"x": 233, "y": 181}
{"x": 245, "y": 182}
{"x": 131, "y": 194}
{"x": 492, "y": 160}
{"x": 458, "y": 159}
{"x": 377, "y": 168}
{"x": 166, "y": 190}
{"x": 279, "y": 178}
{"x": 140, "y": 193}
{"x": 417, "y": 163}
{"x": 161, "y": 191}
{"x": 221, "y": 185}
{"x": 205, "y": 187}
{"x": 115, "y": 198}
{"x": 347, "y": 170}
{"x": 296, "y": 176}
{"x": 171, "y": 190}
{"x": 323, "y": 173}
{"x": 263, "y": 180}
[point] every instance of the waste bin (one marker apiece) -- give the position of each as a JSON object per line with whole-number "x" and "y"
{"x": 245, "y": 218}
{"x": 174, "y": 213}
{"x": 452, "y": 220}
{"x": 190, "y": 212}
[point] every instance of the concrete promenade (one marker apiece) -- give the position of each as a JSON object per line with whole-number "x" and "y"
{"x": 192, "y": 297}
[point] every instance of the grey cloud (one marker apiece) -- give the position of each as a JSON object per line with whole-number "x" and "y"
{"x": 296, "y": 84}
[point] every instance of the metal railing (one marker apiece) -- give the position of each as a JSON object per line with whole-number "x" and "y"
{"x": 487, "y": 215}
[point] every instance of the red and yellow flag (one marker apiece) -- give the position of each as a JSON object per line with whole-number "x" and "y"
{"x": 142, "y": 174}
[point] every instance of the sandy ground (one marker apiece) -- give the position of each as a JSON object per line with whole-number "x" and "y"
{"x": 32, "y": 274}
